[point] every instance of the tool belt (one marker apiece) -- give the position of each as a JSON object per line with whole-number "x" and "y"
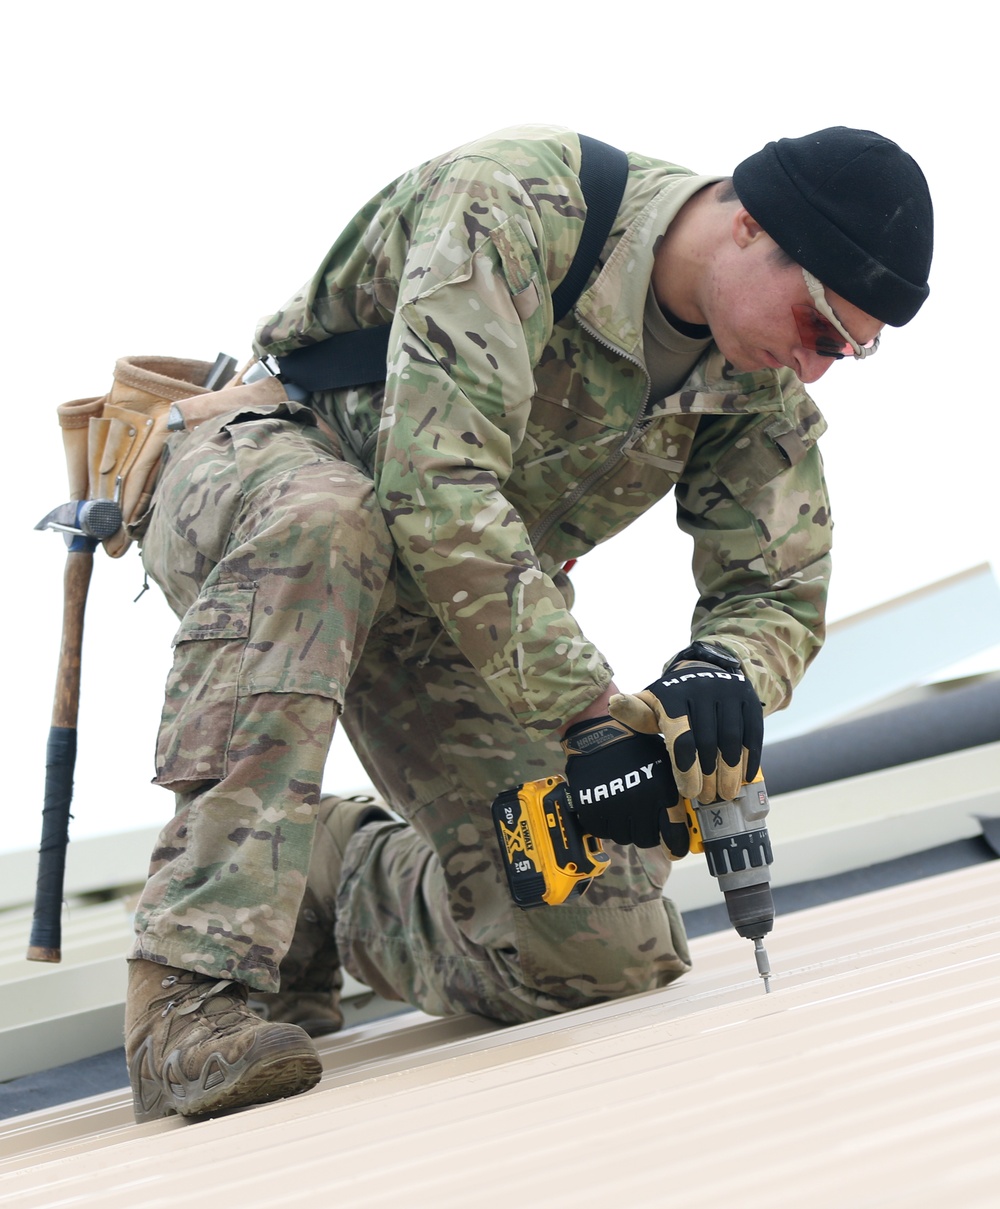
{"x": 114, "y": 442}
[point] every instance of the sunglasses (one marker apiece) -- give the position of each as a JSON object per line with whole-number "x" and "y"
{"x": 821, "y": 331}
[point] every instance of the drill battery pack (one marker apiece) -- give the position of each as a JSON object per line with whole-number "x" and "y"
{"x": 546, "y": 855}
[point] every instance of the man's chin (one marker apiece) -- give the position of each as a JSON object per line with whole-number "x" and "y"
{"x": 752, "y": 362}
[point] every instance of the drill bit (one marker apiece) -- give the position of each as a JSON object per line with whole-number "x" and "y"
{"x": 763, "y": 965}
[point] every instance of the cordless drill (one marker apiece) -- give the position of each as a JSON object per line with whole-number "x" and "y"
{"x": 548, "y": 858}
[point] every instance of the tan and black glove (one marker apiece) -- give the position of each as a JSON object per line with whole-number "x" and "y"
{"x": 711, "y": 721}
{"x": 621, "y": 787}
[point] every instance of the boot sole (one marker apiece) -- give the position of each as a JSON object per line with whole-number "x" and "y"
{"x": 280, "y": 1063}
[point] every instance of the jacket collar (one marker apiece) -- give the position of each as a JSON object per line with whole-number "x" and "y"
{"x": 612, "y": 307}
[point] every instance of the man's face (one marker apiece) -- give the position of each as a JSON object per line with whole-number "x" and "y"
{"x": 749, "y": 307}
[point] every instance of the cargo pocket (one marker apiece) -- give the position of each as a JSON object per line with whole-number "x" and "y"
{"x": 203, "y": 687}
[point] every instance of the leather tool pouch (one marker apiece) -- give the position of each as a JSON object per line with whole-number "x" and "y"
{"x": 114, "y": 443}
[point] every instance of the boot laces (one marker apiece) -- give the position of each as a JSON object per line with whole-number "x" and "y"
{"x": 184, "y": 1004}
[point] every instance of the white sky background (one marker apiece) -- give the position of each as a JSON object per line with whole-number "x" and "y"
{"x": 175, "y": 172}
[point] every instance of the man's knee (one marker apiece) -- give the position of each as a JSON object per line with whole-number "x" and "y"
{"x": 620, "y": 938}
{"x": 572, "y": 956}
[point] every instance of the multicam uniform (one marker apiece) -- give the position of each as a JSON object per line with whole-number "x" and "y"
{"x": 401, "y": 561}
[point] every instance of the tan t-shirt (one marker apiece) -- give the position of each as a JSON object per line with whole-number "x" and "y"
{"x": 670, "y": 354}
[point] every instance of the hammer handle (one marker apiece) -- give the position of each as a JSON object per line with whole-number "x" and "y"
{"x": 60, "y": 758}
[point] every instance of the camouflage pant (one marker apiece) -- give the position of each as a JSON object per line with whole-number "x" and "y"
{"x": 276, "y": 556}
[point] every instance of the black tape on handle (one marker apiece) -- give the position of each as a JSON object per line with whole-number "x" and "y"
{"x": 46, "y": 923}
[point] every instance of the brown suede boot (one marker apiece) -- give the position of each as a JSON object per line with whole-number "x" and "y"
{"x": 193, "y": 1046}
{"x": 310, "y": 971}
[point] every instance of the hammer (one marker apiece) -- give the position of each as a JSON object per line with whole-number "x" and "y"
{"x": 84, "y": 523}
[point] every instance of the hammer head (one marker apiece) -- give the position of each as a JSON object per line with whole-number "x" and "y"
{"x": 97, "y": 519}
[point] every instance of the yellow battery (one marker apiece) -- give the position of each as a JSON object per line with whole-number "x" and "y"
{"x": 546, "y": 855}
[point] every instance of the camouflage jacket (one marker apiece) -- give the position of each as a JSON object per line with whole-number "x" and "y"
{"x": 502, "y": 445}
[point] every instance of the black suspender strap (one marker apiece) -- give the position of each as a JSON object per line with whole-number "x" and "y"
{"x": 603, "y": 173}
{"x": 346, "y": 359}
{"x": 355, "y": 358}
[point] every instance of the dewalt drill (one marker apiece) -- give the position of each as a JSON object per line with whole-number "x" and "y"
{"x": 548, "y": 858}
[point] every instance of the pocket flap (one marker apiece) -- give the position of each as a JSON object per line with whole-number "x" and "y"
{"x": 222, "y": 612}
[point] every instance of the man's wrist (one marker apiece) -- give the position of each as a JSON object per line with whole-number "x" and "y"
{"x": 593, "y": 734}
{"x": 596, "y": 709}
{"x": 704, "y": 652}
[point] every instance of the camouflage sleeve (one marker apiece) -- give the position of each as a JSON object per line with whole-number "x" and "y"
{"x": 474, "y": 315}
{"x": 754, "y": 499}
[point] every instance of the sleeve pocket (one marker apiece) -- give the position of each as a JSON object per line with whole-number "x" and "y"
{"x": 770, "y": 447}
{"x": 519, "y": 266}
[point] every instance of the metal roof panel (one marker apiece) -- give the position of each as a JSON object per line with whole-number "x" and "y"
{"x": 868, "y": 1078}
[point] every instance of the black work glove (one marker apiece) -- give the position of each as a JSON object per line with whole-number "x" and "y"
{"x": 621, "y": 786}
{"x": 710, "y": 718}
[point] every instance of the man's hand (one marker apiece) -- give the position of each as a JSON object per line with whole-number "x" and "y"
{"x": 621, "y": 786}
{"x": 710, "y": 718}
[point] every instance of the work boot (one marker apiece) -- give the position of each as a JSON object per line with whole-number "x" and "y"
{"x": 194, "y": 1047}
{"x": 310, "y": 972}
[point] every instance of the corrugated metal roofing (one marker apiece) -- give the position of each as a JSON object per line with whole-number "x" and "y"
{"x": 51, "y": 1014}
{"x": 55, "y": 1014}
{"x": 868, "y": 1078}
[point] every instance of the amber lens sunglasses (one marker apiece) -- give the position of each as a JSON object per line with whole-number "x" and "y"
{"x": 821, "y": 331}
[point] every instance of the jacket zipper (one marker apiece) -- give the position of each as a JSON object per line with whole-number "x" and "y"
{"x": 640, "y": 424}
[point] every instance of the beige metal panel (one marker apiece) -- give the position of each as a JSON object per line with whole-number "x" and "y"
{"x": 96, "y": 863}
{"x": 51, "y": 1014}
{"x": 89, "y": 931}
{"x": 69, "y": 1012}
{"x": 69, "y": 1128}
{"x": 933, "y": 801}
{"x": 860, "y": 821}
{"x": 53, "y": 1019}
{"x": 815, "y": 832}
{"x": 85, "y": 1029}
{"x": 361, "y": 1050}
{"x": 869, "y": 1078}
{"x": 403, "y": 1041}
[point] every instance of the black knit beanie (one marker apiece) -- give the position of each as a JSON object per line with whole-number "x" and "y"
{"x": 851, "y": 207}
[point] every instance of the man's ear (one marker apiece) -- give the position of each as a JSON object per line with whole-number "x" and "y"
{"x": 745, "y": 228}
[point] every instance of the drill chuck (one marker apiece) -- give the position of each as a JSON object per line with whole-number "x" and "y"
{"x": 751, "y": 910}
